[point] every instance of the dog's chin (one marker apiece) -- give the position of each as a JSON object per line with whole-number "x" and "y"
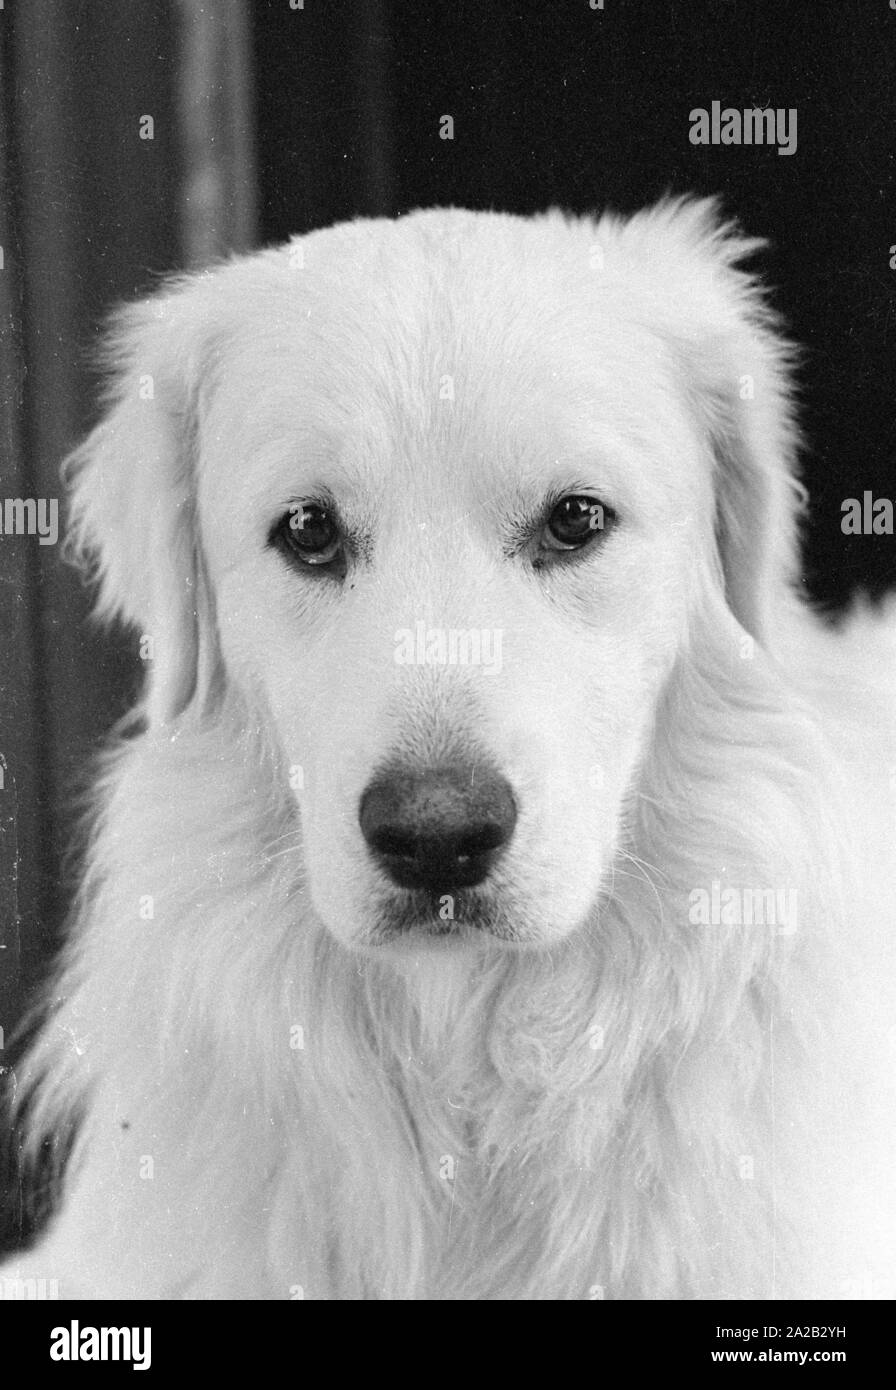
{"x": 411, "y": 921}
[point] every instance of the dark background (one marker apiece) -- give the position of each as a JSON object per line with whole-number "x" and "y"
{"x": 553, "y": 103}
{"x": 560, "y": 104}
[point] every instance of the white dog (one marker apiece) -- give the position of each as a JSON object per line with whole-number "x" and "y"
{"x": 492, "y": 897}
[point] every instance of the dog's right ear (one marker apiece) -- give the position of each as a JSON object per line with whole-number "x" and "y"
{"x": 132, "y": 519}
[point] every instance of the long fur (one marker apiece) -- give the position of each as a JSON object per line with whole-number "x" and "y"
{"x": 639, "y": 1110}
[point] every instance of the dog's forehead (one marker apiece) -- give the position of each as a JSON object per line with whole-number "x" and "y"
{"x": 387, "y": 364}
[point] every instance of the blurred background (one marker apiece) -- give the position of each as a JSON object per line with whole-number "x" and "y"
{"x": 137, "y": 139}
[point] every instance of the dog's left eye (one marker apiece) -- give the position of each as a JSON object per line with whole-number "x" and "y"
{"x": 309, "y": 533}
{"x": 576, "y": 521}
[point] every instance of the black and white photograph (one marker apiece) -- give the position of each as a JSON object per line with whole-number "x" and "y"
{"x": 448, "y": 659}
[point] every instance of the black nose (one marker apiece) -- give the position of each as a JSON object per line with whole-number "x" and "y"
{"x": 439, "y": 829}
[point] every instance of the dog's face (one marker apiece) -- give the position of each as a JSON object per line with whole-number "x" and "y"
{"x": 454, "y": 504}
{"x": 458, "y": 611}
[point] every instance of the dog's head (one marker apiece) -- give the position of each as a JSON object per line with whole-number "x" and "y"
{"x": 444, "y": 500}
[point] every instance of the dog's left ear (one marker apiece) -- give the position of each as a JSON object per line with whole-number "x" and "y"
{"x": 132, "y": 519}
{"x": 737, "y": 370}
{"x": 742, "y": 371}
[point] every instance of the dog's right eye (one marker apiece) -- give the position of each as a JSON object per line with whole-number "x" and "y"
{"x": 310, "y": 534}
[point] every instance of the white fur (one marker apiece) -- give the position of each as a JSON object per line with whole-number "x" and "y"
{"x": 602, "y": 1099}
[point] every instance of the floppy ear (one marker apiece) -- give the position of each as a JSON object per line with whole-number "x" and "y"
{"x": 737, "y": 370}
{"x": 741, "y": 369}
{"x": 132, "y": 513}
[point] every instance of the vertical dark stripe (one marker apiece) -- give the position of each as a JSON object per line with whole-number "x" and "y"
{"x": 215, "y": 107}
{"x": 21, "y": 839}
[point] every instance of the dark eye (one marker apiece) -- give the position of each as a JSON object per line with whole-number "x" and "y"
{"x": 575, "y": 522}
{"x": 310, "y": 533}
